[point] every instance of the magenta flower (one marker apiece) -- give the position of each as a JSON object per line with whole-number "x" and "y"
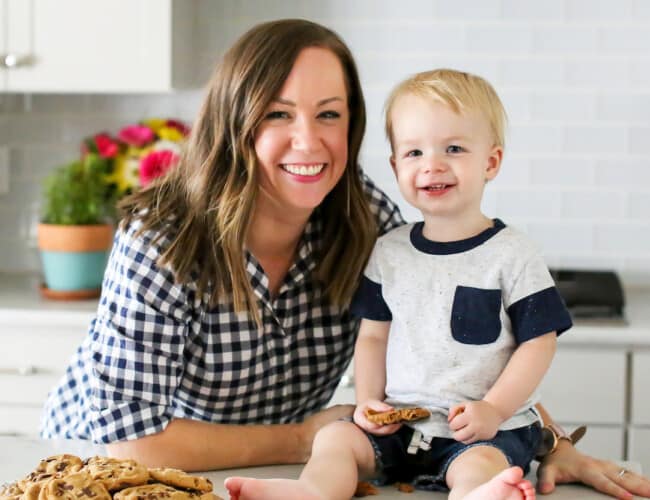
{"x": 155, "y": 164}
{"x": 106, "y": 147}
{"x": 136, "y": 135}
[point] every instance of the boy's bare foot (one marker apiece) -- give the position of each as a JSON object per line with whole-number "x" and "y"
{"x": 246, "y": 488}
{"x": 507, "y": 485}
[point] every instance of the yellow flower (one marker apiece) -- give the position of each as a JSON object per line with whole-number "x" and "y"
{"x": 170, "y": 134}
{"x": 155, "y": 124}
{"x": 125, "y": 174}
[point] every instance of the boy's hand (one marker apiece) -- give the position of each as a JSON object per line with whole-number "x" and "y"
{"x": 474, "y": 420}
{"x": 361, "y": 420}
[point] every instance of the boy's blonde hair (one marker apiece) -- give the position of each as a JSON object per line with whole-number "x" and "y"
{"x": 460, "y": 91}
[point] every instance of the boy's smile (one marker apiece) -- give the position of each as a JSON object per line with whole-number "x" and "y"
{"x": 442, "y": 159}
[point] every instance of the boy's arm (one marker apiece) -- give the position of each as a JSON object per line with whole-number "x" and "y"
{"x": 370, "y": 375}
{"x": 523, "y": 373}
{"x": 370, "y": 360}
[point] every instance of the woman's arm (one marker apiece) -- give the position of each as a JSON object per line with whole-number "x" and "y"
{"x": 568, "y": 465}
{"x": 193, "y": 445}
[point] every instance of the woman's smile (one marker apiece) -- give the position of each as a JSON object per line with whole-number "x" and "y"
{"x": 304, "y": 172}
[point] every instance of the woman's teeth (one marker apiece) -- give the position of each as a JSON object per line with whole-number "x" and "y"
{"x": 310, "y": 170}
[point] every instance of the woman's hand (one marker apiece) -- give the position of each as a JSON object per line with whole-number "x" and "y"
{"x": 362, "y": 421}
{"x": 567, "y": 465}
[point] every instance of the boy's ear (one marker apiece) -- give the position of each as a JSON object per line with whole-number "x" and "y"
{"x": 494, "y": 163}
{"x": 391, "y": 159}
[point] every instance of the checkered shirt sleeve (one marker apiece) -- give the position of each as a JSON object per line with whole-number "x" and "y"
{"x": 156, "y": 351}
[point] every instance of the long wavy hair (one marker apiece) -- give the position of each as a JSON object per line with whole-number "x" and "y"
{"x": 205, "y": 204}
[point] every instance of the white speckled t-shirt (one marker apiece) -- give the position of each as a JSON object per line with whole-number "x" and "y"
{"x": 458, "y": 310}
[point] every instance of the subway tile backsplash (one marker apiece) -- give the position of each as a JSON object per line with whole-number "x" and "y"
{"x": 574, "y": 75}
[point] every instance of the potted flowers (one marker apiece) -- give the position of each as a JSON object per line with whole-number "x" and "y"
{"x": 76, "y": 231}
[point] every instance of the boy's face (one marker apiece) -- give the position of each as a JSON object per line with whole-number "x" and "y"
{"x": 442, "y": 160}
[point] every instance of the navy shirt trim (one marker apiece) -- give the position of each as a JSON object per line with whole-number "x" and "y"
{"x": 369, "y": 303}
{"x": 538, "y": 314}
{"x": 425, "y": 245}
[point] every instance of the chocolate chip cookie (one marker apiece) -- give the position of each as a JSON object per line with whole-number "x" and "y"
{"x": 115, "y": 473}
{"x": 74, "y": 486}
{"x": 161, "y": 491}
{"x": 397, "y": 415}
{"x": 181, "y": 479}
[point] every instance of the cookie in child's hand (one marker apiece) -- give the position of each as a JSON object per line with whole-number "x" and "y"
{"x": 397, "y": 415}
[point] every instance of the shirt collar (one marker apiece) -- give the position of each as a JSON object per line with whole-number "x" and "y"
{"x": 451, "y": 247}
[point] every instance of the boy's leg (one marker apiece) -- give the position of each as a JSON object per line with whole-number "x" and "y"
{"x": 341, "y": 451}
{"x": 483, "y": 472}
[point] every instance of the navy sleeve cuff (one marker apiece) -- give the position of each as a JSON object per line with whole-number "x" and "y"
{"x": 538, "y": 314}
{"x": 368, "y": 302}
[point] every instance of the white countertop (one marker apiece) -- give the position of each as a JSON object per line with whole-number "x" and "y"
{"x": 19, "y": 456}
{"x": 21, "y": 302}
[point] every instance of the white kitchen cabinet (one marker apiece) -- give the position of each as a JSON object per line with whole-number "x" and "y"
{"x": 38, "y": 338}
{"x": 639, "y": 431}
{"x": 602, "y": 441}
{"x": 641, "y": 389}
{"x": 32, "y": 361}
{"x": 586, "y": 385}
{"x": 344, "y": 394}
{"x": 639, "y": 446}
{"x": 95, "y": 45}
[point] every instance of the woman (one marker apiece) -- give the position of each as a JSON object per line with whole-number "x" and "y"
{"x": 222, "y": 330}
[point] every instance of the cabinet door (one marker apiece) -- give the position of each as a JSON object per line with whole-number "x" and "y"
{"x": 344, "y": 395}
{"x": 38, "y": 349}
{"x": 639, "y": 446}
{"x": 601, "y": 441}
{"x": 640, "y": 386}
{"x": 20, "y": 420}
{"x": 586, "y": 386}
{"x": 89, "y": 45}
{"x": 32, "y": 361}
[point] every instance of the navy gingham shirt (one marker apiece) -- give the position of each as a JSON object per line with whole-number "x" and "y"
{"x": 156, "y": 351}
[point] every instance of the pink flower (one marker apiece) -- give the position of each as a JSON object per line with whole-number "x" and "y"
{"x": 155, "y": 164}
{"x": 106, "y": 147}
{"x": 136, "y": 135}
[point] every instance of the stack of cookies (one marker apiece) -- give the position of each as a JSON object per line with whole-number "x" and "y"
{"x": 64, "y": 477}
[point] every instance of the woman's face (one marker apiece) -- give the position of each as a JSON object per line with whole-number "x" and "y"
{"x": 302, "y": 142}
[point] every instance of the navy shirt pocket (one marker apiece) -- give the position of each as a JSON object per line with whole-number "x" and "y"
{"x": 475, "y": 315}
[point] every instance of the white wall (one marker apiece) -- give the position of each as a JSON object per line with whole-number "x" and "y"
{"x": 573, "y": 74}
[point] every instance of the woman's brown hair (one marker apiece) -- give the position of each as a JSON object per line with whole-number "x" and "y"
{"x": 205, "y": 203}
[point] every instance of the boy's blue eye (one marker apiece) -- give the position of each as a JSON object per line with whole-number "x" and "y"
{"x": 454, "y": 149}
{"x": 414, "y": 152}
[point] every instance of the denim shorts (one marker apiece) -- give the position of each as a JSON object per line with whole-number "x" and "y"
{"x": 426, "y": 470}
